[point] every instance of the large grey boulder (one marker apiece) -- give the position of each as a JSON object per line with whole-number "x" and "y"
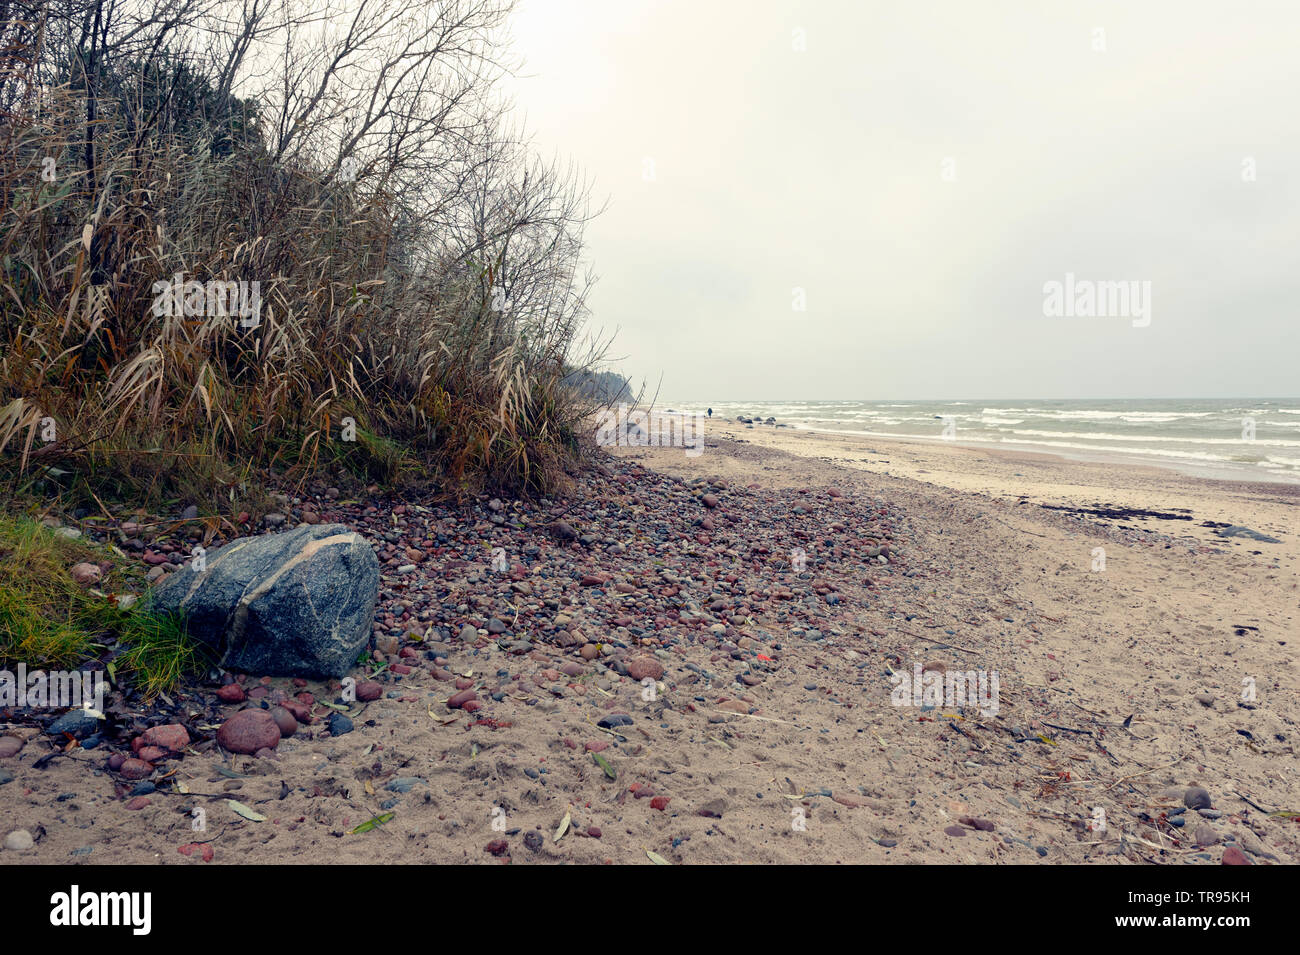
{"x": 299, "y": 603}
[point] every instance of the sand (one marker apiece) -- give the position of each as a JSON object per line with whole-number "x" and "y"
{"x": 1098, "y": 711}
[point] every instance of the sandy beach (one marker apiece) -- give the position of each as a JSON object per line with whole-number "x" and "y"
{"x": 1145, "y": 671}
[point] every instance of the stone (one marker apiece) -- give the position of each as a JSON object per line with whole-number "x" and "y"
{"x": 497, "y": 847}
{"x": 248, "y": 731}
{"x": 458, "y": 700}
{"x": 299, "y": 603}
{"x": 338, "y": 724}
{"x": 1206, "y": 836}
{"x": 713, "y": 809}
{"x": 612, "y": 720}
{"x": 231, "y": 693}
{"x": 20, "y": 840}
{"x": 1196, "y": 798}
{"x": 1234, "y": 856}
{"x": 468, "y": 633}
{"x": 86, "y": 574}
{"x": 642, "y": 668}
{"x": 10, "y": 746}
{"x": 369, "y": 690}
{"x": 563, "y": 532}
{"x": 171, "y": 737}
{"x": 135, "y": 769}
{"x": 76, "y": 722}
{"x": 284, "y": 721}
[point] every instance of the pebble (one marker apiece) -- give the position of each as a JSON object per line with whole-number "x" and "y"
{"x": 1196, "y": 798}
{"x": 20, "y": 840}
{"x": 1206, "y": 836}
{"x": 76, "y": 722}
{"x": 135, "y": 769}
{"x": 10, "y": 746}
{"x": 284, "y": 720}
{"x": 338, "y": 724}
{"x": 249, "y": 731}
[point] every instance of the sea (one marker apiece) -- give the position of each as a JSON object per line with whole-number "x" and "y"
{"x": 1228, "y": 438}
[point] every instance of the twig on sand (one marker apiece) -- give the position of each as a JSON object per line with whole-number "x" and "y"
{"x": 1144, "y": 772}
{"x": 1018, "y": 530}
{"x": 940, "y": 646}
{"x": 765, "y": 719}
{"x": 1250, "y": 802}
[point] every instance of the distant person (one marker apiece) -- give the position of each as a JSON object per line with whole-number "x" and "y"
{"x": 710, "y": 412}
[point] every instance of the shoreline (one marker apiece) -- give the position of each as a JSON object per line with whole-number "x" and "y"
{"x": 1213, "y": 472}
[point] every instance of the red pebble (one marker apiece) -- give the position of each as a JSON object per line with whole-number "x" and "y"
{"x": 660, "y": 802}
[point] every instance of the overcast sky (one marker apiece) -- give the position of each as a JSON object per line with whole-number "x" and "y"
{"x": 824, "y": 170}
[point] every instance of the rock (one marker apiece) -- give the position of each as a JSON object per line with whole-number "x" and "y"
{"x": 612, "y": 720}
{"x": 284, "y": 721}
{"x": 10, "y": 746}
{"x": 468, "y": 633}
{"x": 533, "y": 840}
{"x": 660, "y": 802}
{"x": 955, "y": 830}
{"x": 20, "y": 840}
{"x": 86, "y": 574}
{"x": 76, "y": 722}
{"x": 369, "y": 690}
{"x": 710, "y": 501}
{"x": 713, "y": 809}
{"x": 402, "y": 784}
{"x": 231, "y": 693}
{"x": 138, "y": 803}
{"x": 1196, "y": 798}
{"x": 135, "y": 769}
{"x": 294, "y": 604}
{"x": 563, "y": 532}
{"x": 497, "y": 847}
{"x": 1234, "y": 856}
{"x": 248, "y": 731}
{"x": 589, "y": 651}
{"x": 1206, "y": 836}
{"x": 172, "y": 737}
{"x": 458, "y": 700}
{"x": 1205, "y": 699}
{"x": 642, "y": 668}
{"x": 594, "y": 832}
{"x": 338, "y": 724}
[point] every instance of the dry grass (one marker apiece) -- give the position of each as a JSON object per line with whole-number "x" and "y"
{"x": 360, "y": 325}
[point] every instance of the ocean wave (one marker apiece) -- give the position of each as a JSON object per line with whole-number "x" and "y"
{"x": 1106, "y": 436}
